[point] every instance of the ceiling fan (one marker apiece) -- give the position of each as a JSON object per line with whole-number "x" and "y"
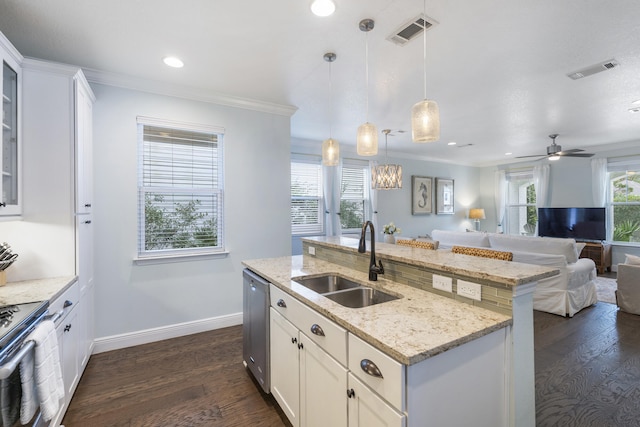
{"x": 554, "y": 151}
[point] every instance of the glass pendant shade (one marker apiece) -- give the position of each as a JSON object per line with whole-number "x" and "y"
{"x": 425, "y": 121}
{"x": 367, "y": 140}
{"x": 330, "y": 152}
{"x": 386, "y": 177}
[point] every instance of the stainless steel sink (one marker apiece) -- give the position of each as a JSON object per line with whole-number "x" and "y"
{"x": 360, "y": 297}
{"x": 326, "y": 283}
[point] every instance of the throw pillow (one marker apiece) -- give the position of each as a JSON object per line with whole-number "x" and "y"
{"x": 632, "y": 259}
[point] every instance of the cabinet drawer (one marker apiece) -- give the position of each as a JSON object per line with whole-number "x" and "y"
{"x": 391, "y": 384}
{"x": 329, "y": 336}
{"x": 71, "y": 294}
{"x": 285, "y": 304}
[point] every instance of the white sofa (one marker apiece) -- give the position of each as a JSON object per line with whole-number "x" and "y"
{"x": 566, "y": 294}
{"x": 628, "y": 280}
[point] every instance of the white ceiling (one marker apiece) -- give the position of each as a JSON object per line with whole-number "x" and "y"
{"x": 497, "y": 68}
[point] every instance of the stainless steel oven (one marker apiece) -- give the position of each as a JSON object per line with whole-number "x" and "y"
{"x": 16, "y": 323}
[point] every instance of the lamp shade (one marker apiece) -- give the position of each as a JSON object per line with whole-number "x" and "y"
{"x": 476, "y": 213}
{"x": 330, "y": 152}
{"x": 386, "y": 177}
{"x": 367, "y": 140}
{"x": 425, "y": 121}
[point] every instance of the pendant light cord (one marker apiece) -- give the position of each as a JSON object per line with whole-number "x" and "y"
{"x": 330, "y": 102}
{"x": 424, "y": 40}
{"x": 366, "y": 58}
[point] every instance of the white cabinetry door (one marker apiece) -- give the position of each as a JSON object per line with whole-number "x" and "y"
{"x": 323, "y": 387}
{"x": 84, "y": 147}
{"x": 10, "y": 148}
{"x": 285, "y": 376}
{"x": 367, "y": 409}
{"x": 67, "y": 332}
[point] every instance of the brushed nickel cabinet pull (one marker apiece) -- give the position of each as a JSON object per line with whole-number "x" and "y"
{"x": 317, "y": 330}
{"x": 370, "y": 368}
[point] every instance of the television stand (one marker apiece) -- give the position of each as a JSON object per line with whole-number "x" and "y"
{"x": 600, "y": 253}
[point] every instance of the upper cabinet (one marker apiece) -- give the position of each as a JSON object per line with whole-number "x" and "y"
{"x": 10, "y": 161}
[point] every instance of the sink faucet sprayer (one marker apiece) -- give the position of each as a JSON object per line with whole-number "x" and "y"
{"x": 374, "y": 269}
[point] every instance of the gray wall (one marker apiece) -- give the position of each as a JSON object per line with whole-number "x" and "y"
{"x": 132, "y": 297}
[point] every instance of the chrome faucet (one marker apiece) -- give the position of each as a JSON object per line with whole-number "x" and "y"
{"x": 374, "y": 269}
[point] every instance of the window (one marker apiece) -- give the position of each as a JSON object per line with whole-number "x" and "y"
{"x": 307, "y": 205}
{"x": 521, "y": 215}
{"x": 180, "y": 189}
{"x": 624, "y": 199}
{"x": 354, "y": 195}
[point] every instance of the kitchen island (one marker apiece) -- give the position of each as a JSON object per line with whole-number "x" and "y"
{"x": 459, "y": 361}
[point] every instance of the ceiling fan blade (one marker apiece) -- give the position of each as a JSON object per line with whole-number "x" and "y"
{"x": 565, "y": 154}
{"x": 535, "y": 155}
{"x": 573, "y": 150}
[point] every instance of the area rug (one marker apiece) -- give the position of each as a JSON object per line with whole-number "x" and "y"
{"x": 606, "y": 289}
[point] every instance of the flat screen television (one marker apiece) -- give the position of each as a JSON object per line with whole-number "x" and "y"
{"x": 576, "y": 223}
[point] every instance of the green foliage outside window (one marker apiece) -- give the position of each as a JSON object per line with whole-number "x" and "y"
{"x": 186, "y": 227}
{"x": 626, "y": 217}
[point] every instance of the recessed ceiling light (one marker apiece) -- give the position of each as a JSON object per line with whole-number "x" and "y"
{"x": 634, "y": 110}
{"x": 323, "y": 7}
{"x": 174, "y": 62}
{"x": 508, "y": 154}
{"x": 636, "y": 102}
{"x": 451, "y": 143}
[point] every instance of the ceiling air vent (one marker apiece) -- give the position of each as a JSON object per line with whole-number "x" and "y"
{"x": 603, "y": 66}
{"x": 410, "y": 30}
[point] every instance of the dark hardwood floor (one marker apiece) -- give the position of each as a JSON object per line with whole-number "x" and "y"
{"x": 587, "y": 374}
{"x": 196, "y": 380}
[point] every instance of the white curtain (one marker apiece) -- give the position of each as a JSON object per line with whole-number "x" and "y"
{"x": 373, "y": 199}
{"x": 541, "y": 185}
{"x": 331, "y": 176}
{"x": 500, "y": 193}
{"x": 599, "y": 181}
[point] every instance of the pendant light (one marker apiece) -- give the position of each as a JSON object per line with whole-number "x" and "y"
{"x": 330, "y": 147}
{"x": 367, "y": 139}
{"x": 425, "y": 115}
{"x": 386, "y": 176}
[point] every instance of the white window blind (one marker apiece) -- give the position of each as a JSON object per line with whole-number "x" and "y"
{"x": 354, "y": 194}
{"x": 180, "y": 189}
{"x": 307, "y": 204}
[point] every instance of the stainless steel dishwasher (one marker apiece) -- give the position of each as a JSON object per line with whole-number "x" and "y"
{"x": 255, "y": 327}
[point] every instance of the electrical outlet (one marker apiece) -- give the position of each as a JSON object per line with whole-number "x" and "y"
{"x": 470, "y": 290}
{"x": 312, "y": 250}
{"x": 443, "y": 283}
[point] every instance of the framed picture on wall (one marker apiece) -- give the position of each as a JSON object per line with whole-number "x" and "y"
{"x": 444, "y": 197}
{"x": 421, "y": 195}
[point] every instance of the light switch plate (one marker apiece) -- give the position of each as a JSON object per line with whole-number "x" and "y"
{"x": 312, "y": 250}
{"x": 470, "y": 290}
{"x": 442, "y": 283}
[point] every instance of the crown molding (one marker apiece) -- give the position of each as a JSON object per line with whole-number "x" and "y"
{"x": 10, "y": 49}
{"x": 180, "y": 91}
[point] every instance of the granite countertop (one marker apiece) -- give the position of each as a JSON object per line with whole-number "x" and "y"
{"x": 34, "y": 290}
{"x": 505, "y": 272}
{"x": 413, "y": 328}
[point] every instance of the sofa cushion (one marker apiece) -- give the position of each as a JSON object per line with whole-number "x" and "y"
{"x": 545, "y": 245}
{"x": 632, "y": 259}
{"x": 448, "y": 238}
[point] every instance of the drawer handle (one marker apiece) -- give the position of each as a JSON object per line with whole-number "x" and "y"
{"x": 67, "y": 303}
{"x": 351, "y": 393}
{"x": 370, "y": 368}
{"x": 294, "y": 340}
{"x": 67, "y": 328}
{"x": 317, "y": 330}
{"x": 281, "y": 303}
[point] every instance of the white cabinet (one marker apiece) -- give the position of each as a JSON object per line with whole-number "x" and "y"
{"x": 11, "y": 153}
{"x": 68, "y": 341}
{"x": 367, "y": 409}
{"x": 308, "y": 358}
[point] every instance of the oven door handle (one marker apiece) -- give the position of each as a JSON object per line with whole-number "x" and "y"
{"x": 7, "y": 368}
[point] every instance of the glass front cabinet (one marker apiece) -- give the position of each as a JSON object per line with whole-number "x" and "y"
{"x": 10, "y": 161}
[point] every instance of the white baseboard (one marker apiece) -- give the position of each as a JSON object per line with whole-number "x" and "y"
{"x": 146, "y": 336}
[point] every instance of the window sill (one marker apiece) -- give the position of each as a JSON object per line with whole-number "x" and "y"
{"x": 166, "y": 259}
{"x": 626, "y": 244}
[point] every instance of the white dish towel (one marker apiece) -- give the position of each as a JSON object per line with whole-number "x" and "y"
{"x": 46, "y": 387}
